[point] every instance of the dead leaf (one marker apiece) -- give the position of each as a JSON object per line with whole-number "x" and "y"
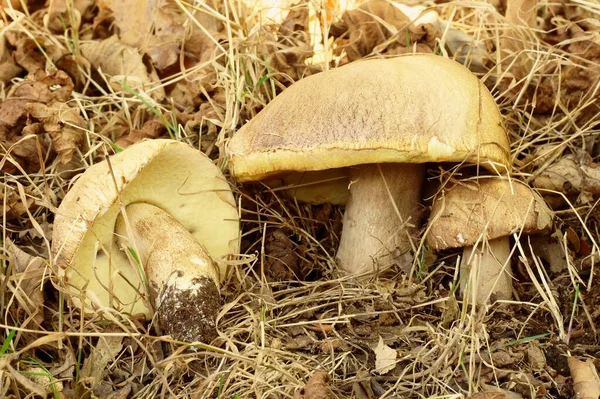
{"x": 333, "y": 345}
{"x": 380, "y": 26}
{"x": 493, "y": 392}
{"x": 35, "y": 107}
{"x": 536, "y": 356}
{"x": 29, "y": 278}
{"x": 124, "y": 64}
{"x": 527, "y": 385}
{"x": 316, "y": 388}
{"x": 41, "y": 378}
{"x": 15, "y": 207}
{"x": 64, "y": 14}
{"x": 488, "y": 395}
{"x": 8, "y": 67}
{"x": 288, "y": 55}
{"x": 33, "y": 53}
{"x": 162, "y": 30}
{"x": 573, "y": 175}
{"x": 573, "y": 85}
{"x": 95, "y": 365}
{"x": 32, "y": 5}
{"x": 385, "y": 358}
{"x": 281, "y": 260}
{"x": 586, "y": 382}
{"x": 152, "y": 129}
{"x": 63, "y": 124}
{"x": 519, "y": 14}
{"x": 122, "y": 393}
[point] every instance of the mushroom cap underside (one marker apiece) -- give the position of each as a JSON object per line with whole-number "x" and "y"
{"x": 493, "y": 207}
{"x": 168, "y": 174}
{"x": 409, "y": 109}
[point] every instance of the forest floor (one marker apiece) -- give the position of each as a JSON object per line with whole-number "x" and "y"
{"x": 196, "y": 71}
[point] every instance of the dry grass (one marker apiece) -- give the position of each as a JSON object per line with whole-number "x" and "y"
{"x": 274, "y": 335}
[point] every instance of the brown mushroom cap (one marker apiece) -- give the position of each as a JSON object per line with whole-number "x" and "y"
{"x": 409, "y": 109}
{"x": 495, "y": 206}
{"x": 168, "y": 174}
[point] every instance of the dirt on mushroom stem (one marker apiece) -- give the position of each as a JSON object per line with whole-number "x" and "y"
{"x": 380, "y": 215}
{"x": 177, "y": 268}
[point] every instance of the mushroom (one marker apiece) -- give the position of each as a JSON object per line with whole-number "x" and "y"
{"x": 480, "y": 217}
{"x": 383, "y": 119}
{"x": 159, "y": 204}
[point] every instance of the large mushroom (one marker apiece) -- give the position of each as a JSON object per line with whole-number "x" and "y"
{"x": 383, "y": 119}
{"x": 480, "y": 217}
{"x": 152, "y": 219}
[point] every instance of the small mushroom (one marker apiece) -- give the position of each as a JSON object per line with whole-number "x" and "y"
{"x": 480, "y": 217}
{"x": 152, "y": 219}
{"x": 382, "y": 119}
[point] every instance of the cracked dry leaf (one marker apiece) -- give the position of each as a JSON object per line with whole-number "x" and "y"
{"x": 573, "y": 175}
{"x": 292, "y": 47}
{"x": 488, "y": 395}
{"x": 519, "y": 14}
{"x": 123, "y": 64}
{"x": 151, "y": 129}
{"x": 385, "y": 358}
{"x": 162, "y": 30}
{"x": 317, "y": 387}
{"x": 63, "y": 124}
{"x": 575, "y": 84}
{"x": 33, "y": 53}
{"x": 63, "y": 14}
{"x": 493, "y": 392}
{"x": 382, "y": 26}
{"x": 22, "y": 135}
{"x": 14, "y": 204}
{"x": 535, "y": 356}
{"x": 94, "y": 368}
{"x": 378, "y": 25}
{"x": 32, "y": 5}
{"x": 586, "y": 382}
{"x": 30, "y": 273}
{"x": 8, "y": 67}
{"x": 281, "y": 262}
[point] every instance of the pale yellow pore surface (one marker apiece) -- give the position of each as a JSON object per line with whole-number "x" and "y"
{"x": 409, "y": 109}
{"x": 493, "y": 207}
{"x": 168, "y": 174}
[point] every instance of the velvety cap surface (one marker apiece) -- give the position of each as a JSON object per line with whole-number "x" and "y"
{"x": 409, "y": 109}
{"x": 495, "y": 206}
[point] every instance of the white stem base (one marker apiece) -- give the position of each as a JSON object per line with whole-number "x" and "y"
{"x": 182, "y": 278}
{"x": 485, "y": 274}
{"x": 377, "y": 222}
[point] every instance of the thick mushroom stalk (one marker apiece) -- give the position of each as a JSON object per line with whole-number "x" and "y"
{"x": 181, "y": 277}
{"x": 380, "y": 215}
{"x": 399, "y": 110}
{"x": 485, "y": 272}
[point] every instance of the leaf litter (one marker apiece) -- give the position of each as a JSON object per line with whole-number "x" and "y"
{"x": 84, "y": 78}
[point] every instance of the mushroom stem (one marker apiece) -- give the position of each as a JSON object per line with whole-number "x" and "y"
{"x": 490, "y": 276}
{"x": 182, "y": 278}
{"x": 376, "y": 232}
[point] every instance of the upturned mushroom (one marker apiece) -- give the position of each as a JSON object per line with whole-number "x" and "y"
{"x": 152, "y": 219}
{"x": 480, "y": 217}
{"x": 383, "y": 119}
